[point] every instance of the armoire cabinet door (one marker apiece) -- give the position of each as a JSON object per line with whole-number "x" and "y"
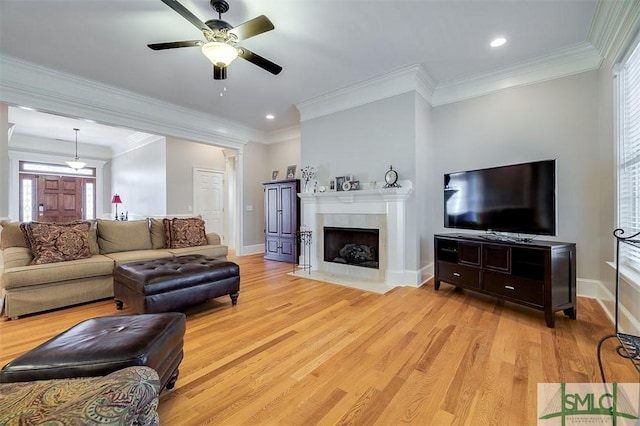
{"x": 282, "y": 213}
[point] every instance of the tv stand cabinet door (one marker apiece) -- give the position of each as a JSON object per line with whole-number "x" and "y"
{"x": 496, "y": 257}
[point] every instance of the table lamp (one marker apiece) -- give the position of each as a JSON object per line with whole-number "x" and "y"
{"x": 116, "y": 200}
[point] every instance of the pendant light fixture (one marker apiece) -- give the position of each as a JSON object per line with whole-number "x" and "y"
{"x": 76, "y": 164}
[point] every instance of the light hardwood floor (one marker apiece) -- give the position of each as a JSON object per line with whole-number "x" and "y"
{"x": 302, "y": 352}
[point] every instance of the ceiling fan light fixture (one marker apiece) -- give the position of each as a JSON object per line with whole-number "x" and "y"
{"x": 76, "y": 164}
{"x": 220, "y": 54}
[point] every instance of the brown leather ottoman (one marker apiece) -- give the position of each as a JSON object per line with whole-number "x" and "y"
{"x": 99, "y": 346}
{"x": 173, "y": 283}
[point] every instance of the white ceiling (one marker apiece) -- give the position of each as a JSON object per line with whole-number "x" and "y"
{"x": 322, "y": 45}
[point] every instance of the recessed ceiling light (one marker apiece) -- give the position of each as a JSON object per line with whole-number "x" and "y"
{"x": 270, "y": 116}
{"x": 498, "y": 42}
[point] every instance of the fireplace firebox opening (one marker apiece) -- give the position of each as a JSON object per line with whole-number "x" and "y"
{"x": 352, "y": 246}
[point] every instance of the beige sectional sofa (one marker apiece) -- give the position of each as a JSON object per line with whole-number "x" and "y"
{"x": 28, "y": 288}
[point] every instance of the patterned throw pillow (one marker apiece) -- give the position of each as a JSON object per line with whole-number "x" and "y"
{"x": 188, "y": 232}
{"x": 57, "y": 242}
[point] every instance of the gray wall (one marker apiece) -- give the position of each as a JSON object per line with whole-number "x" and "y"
{"x": 427, "y": 207}
{"x": 182, "y": 157}
{"x": 282, "y": 155}
{"x": 140, "y": 177}
{"x": 554, "y": 119}
{"x": 363, "y": 141}
{"x": 255, "y": 172}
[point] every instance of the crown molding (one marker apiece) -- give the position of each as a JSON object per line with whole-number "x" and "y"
{"x": 573, "y": 60}
{"x": 135, "y": 141}
{"x": 47, "y": 90}
{"x": 48, "y": 157}
{"x": 283, "y": 135}
{"x": 406, "y": 79}
{"x": 614, "y": 24}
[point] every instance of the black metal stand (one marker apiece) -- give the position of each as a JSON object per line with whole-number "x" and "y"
{"x": 629, "y": 345}
{"x": 304, "y": 242}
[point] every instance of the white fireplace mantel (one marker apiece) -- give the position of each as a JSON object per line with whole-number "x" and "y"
{"x": 387, "y": 202}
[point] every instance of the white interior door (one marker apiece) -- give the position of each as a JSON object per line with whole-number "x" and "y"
{"x": 208, "y": 199}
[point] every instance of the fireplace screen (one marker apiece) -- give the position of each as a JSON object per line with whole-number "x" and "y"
{"x": 352, "y": 246}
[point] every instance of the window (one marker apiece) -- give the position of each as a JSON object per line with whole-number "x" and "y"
{"x": 26, "y": 196}
{"x": 629, "y": 154}
{"x": 89, "y": 201}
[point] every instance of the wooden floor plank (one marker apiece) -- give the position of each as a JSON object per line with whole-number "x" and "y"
{"x": 296, "y": 351}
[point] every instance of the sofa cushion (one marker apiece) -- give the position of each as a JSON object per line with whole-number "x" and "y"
{"x": 157, "y": 233}
{"x": 93, "y": 238}
{"x": 184, "y": 232}
{"x": 137, "y": 255}
{"x": 16, "y": 256}
{"x": 115, "y": 236}
{"x": 217, "y": 251}
{"x": 23, "y": 276}
{"x": 11, "y": 235}
{"x": 57, "y": 242}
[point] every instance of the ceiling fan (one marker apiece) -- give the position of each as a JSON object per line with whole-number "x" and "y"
{"x": 220, "y": 46}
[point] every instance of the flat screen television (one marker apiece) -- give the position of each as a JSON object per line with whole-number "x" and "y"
{"x": 517, "y": 198}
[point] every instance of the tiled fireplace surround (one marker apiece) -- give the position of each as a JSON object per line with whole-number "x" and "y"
{"x": 382, "y": 209}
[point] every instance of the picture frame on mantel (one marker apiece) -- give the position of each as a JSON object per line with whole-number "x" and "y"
{"x": 291, "y": 172}
{"x": 274, "y": 175}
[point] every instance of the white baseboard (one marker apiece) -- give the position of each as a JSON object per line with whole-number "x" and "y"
{"x": 248, "y": 250}
{"x": 595, "y": 289}
{"x": 427, "y": 272}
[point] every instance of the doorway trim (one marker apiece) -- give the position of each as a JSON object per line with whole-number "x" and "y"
{"x": 194, "y": 185}
{"x": 14, "y": 178}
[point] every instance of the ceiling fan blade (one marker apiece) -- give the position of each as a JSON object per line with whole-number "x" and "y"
{"x": 184, "y": 12}
{"x": 253, "y": 27}
{"x": 258, "y": 60}
{"x": 175, "y": 44}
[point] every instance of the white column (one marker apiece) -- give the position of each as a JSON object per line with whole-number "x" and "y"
{"x": 396, "y": 244}
{"x": 239, "y": 201}
{"x": 309, "y": 218}
{"x": 4, "y": 161}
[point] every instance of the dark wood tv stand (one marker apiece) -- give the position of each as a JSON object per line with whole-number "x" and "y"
{"x": 538, "y": 274}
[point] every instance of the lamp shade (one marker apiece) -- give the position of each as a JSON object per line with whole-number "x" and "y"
{"x": 116, "y": 199}
{"x": 76, "y": 164}
{"x": 220, "y": 54}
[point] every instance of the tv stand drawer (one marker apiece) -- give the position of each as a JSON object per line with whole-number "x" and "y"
{"x": 514, "y": 287}
{"x": 459, "y": 274}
